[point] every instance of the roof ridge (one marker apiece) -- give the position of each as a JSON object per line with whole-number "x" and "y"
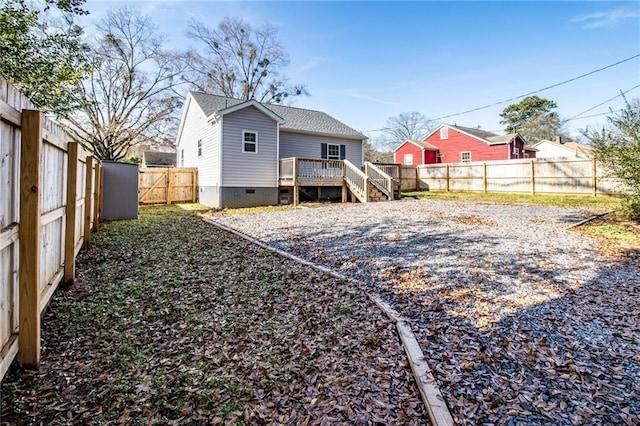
{"x": 253, "y": 99}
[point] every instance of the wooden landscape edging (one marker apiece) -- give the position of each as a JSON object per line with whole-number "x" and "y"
{"x": 431, "y": 396}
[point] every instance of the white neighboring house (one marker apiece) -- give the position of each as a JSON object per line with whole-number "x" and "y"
{"x": 236, "y": 146}
{"x": 560, "y": 149}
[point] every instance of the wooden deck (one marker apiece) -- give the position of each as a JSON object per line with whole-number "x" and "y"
{"x": 370, "y": 184}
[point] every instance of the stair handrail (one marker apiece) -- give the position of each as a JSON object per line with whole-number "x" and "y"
{"x": 380, "y": 179}
{"x": 357, "y": 180}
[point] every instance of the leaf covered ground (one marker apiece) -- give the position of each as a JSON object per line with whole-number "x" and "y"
{"x": 522, "y": 320}
{"x": 172, "y": 321}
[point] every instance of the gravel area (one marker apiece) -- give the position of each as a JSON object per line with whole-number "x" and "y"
{"x": 521, "y": 319}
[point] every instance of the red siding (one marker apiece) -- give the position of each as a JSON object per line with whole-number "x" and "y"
{"x": 458, "y": 142}
{"x": 408, "y": 148}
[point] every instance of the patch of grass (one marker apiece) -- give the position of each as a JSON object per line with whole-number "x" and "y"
{"x": 617, "y": 232}
{"x": 602, "y": 202}
{"x": 248, "y": 210}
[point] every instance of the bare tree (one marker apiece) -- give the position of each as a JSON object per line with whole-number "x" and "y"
{"x": 408, "y": 125}
{"x": 240, "y": 62}
{"x": 130, "y": 95}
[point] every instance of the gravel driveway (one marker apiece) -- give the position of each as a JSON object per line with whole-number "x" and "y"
{"x": 520, "y": 318}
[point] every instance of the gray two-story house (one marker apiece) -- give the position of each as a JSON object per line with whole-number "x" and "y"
{"x": 252, "y": 154}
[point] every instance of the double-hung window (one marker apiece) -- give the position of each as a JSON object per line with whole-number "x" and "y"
{"x": 516, "y": 153}
{"x": 465, "y": 156}
{"x": 333, "y": 151}
{"x": 249, "y": 142}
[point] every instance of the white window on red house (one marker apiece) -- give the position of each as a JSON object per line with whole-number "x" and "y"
{"x": 516, "y": 153}
{"x": 526, "y": 155}
{"x": 444, "y": 133}
{"x": 465, "y": 156}
{"x": 408, "y": 159}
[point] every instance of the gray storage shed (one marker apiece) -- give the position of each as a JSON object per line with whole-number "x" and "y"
{"x": 120, "y": 190}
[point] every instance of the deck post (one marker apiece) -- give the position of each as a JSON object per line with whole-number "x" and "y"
{"x": 296, "y": 194}
{"x": 344, "y": 192}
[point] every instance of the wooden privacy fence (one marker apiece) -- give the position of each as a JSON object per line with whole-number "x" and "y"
{"x": 559, "y": 176}
{"x": 49, "y": 203}
{"x": 168, "y": 185}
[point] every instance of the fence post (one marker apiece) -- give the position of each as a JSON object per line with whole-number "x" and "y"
{"x": 88, "y": 191}
{"x": 29, "y": 234}
{"x": 194, "y": 192}
{"x": 484, "y": 176}
{"x": 70, "y": 228}
{"x": 533, "y": 178}
{"x": 447, "y": 176}
{"x": 169, "y": 185}
{"x": 594, "y": 184}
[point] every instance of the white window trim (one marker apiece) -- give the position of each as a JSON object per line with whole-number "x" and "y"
{"x": 444, "y": 133}
{"x": 526, "y": 155}
{"x": 333, "y": 157}
{"x": 462, "y": 160}
{"x": 410, "y": 158}
{"x": 516, "y": 153}
{"x": 244, "y": 132}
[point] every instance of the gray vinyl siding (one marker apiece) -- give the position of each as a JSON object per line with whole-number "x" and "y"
{"x": 196, "y": 127}
{"x": 309, "y": 146}
{"x": 243, "y": 169}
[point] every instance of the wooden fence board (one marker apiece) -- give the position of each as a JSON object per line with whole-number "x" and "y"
{"x": 168, "y": 185}
{"x": 35, "y": 191}
{"x": 542, "y": 176}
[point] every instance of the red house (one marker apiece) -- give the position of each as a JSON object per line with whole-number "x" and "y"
{"x": 455, "y": 144}
{"x": 415, "y": 152}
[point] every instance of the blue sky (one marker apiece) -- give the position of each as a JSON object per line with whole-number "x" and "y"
{"x": 365, "y": 61}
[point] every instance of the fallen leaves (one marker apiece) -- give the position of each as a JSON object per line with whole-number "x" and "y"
{"x": 173, "y": 321}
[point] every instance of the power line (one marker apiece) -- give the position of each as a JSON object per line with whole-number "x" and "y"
{"x": 593, "y": 115}
{"x": 602, "y": 103}
{"x": 539, "y": 90}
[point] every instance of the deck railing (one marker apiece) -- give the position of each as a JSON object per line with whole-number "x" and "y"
{"x": 391, "y": 169}
{"x": 357, "y": 181}
{"x": 287, "y": 166}
{"x": 314, "y": 170}
{"x": 380, "y": 179}
{"x": 310, "y": 170}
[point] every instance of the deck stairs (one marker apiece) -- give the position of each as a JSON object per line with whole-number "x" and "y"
{"x": 369, "y": 183}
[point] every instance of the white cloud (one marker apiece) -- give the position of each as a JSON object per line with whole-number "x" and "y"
{"x": 607, "y": 18}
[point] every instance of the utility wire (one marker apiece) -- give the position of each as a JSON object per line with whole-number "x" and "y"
{"x": 539, "y": 90}
{"x": 602, "y": 103}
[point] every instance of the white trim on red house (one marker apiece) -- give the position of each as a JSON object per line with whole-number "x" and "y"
{"x": 435, "y": 148}
{"x": 488, "y": 142}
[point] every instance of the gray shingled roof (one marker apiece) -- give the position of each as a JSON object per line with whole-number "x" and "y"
{"x": 423, "y": 144}
{"x": 295, "y": 119}
{"x": 490, "y": 137}
{"x": 159, "y": 159}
